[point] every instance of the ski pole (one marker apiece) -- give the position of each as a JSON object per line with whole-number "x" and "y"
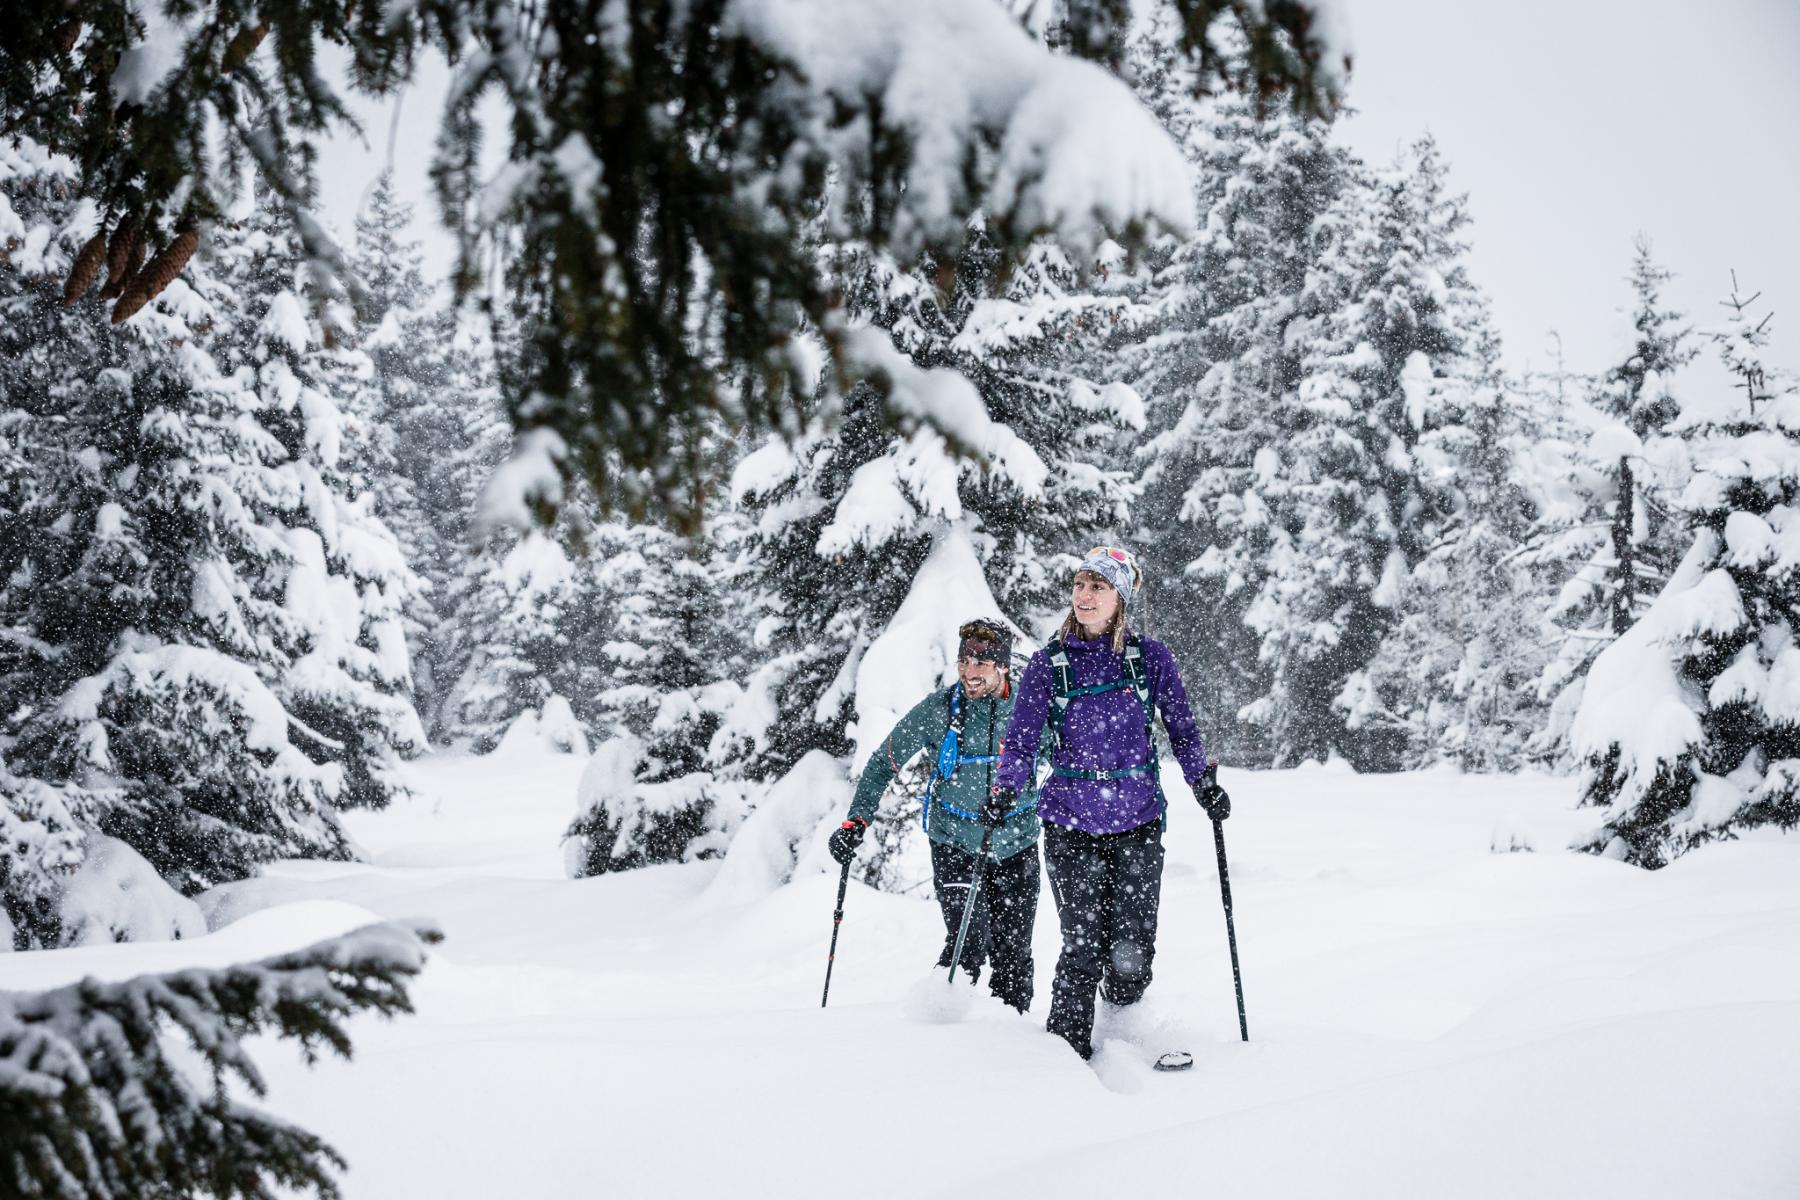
{"x": 1237, "y": 977}
{"x": 962, "y": 931}
{"x": 837, "y": 919}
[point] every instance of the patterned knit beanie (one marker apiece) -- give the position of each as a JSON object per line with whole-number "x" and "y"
{"x": 1116, "y": 566}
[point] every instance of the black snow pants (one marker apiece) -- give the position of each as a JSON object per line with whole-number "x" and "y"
{"x": 1000, "y": 926}
{"x": 1107, "y": 888}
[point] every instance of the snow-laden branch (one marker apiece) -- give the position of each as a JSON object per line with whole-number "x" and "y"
{"x": 96, "y": 1102}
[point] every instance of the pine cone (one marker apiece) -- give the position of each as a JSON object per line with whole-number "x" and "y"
{"x": 123, "y": 256}
{"x": 66, "y": 35}
{"x": 133, "y": 265}
{"x": 157, "y": 274}
{"x": 86, "y": 268}
{"x": 244, "y": 44}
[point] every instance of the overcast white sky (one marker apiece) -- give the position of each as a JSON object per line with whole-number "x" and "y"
{"x": 1572, "y": 124}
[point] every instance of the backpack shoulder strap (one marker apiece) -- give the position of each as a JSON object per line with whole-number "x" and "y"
{"x": 1063, "y": 692}
{"x": 1140, "y": 683}
{"x": 1134, "y": 667}
{"x": 1139, "y": 677}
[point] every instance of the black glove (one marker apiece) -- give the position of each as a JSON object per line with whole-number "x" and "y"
{"x": 848, "y": 837}
{"x": 1213, "y": 798}
{"x": 999, "y": 802}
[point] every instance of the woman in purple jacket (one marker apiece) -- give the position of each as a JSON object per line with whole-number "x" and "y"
{"x": 1097, "y": 687}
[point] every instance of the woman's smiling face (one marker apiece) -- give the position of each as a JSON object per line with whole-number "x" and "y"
{"x": 1096, "y": 602}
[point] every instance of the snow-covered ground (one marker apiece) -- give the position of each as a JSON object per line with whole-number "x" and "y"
{"x": 1430, "y": 1018}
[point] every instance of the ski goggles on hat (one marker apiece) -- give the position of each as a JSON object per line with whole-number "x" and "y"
{"x": 984, "y": 641}
{"x": 1114, "y": 565}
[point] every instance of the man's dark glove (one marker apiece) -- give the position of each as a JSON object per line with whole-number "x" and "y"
{"x": 848, "y": 837}
{"x": 1213, "y": 798}
{"x": 999, "y": 802}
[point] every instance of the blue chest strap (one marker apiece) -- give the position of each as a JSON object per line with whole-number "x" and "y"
{"x": 950, "y": 760}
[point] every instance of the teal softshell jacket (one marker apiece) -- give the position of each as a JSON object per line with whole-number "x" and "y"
{"x": 923, "y": 729}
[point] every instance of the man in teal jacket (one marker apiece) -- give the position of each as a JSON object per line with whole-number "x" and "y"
{"x": 962, "y": 726}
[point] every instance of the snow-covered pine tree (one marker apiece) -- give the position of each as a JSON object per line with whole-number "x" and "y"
{"x": 347, "y": 582}
{"x": 847, "y": 521}
{"x": 820, "y": 604}
{"x": 1632, "y": 467}
{"x": 42, "y": 841}
{"x": 1688, "y": 729}
{"x": 1639, "y": 394}
{"x": 98, "y": 1101}
{"x": 429, "y": 397}
{"x": 662, "y": 786}
{"x": 1204, "y": 340}
{"x": 396, "y": 375}
{"x": 525, "y": 636}
{"x": 535, "y": 599}
{"x": 389, "y": 266}
{"x": 44, "y": 845}
{"x": 1023, "y": 336}
{"x": 515, "y": 615}
{"x": 1364, "y": 485}
{"x": 200, "y": 654}
{"x": 1458, "y": 671}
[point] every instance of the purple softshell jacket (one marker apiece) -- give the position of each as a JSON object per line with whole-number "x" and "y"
{"x": 1102, "y": 732}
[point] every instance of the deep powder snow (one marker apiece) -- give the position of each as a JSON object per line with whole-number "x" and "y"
{"x": 1430, "y": 1018}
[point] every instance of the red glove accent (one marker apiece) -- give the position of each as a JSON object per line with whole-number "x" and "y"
{"x": 852, "y": 823}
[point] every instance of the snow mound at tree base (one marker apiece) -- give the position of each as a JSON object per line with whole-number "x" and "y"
{"x": 786, "y": 836}
{"x": 554, "y": 730}
{"x": 118, "y": 897}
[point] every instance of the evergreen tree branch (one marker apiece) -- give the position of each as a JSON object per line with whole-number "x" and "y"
{"x": 668, "y": 166}
{"x": 93, "y": 1104}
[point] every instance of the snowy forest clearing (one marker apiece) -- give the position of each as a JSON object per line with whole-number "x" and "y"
{"x": 585, "y": 603}
{"x": 1430, "y": 1018}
